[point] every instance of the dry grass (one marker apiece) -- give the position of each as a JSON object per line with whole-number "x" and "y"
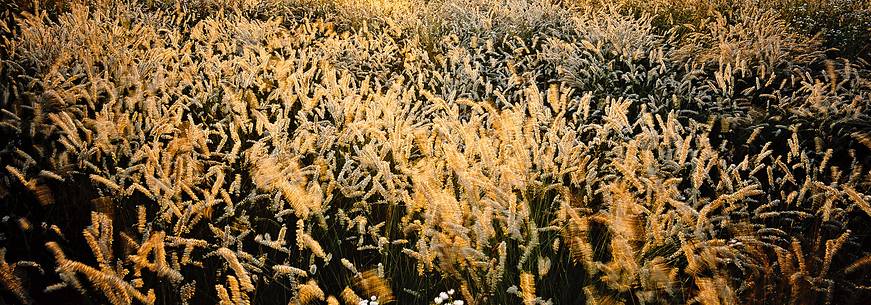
{"x": 510, "y": 152}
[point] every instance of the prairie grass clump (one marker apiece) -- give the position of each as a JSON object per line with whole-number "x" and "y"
{"x": 432, "y": 152}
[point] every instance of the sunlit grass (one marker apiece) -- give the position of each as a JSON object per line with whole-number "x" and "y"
{"x": 434, "y": 152}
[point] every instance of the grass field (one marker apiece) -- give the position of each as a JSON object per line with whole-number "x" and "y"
{"x": 463, "y": 152}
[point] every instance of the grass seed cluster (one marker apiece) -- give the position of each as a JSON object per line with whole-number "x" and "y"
{"x": 475, "y": 152}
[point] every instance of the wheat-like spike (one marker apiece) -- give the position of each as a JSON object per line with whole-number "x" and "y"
{"x": 832, "y": 247}
{"x": 241, "y": 273}
{"x": 141, "y": 217}
{"x": 858, "y": 199}
{"x": 825, "y": 162}
{"x": 223, "y": 295}
{"x": 11, "y": 282}
{"x": 106, "y": 182}
{"x": 467, "y": 293}
{"x": 309, "y": 292}
{"x": 236, "y": 294}
{"x": 544, "y": 265}
{"x": 708, "y": 291}
{"x": 350, "y": 266}
{"x": 116, "y": 289}
{"x": 859, "y": 263}
{"x": 188, "y": 291}
{"x": 289, "y": 270}
{"x": 527, "y": 288}
{"x": 155, "y": 244}
{"x": 95, "y": 248}
{"x": 18, "y": 175}
{"x": 350, "y": 297}
{"x": 375, "y": 285}
{"x": 864, "y": 138}
{"x": 24, "y": 224}
{"x": 799, "y": 255}
{"x": 51, "y": 175}
{"x": 306, "y": 241}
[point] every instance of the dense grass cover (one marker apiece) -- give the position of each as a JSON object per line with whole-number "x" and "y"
{"x": 442, "y": 151}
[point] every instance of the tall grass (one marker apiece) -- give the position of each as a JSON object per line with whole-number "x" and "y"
{"x": 374, "y": 152}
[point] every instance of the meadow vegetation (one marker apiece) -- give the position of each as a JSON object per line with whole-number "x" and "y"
{"x": 435, "y": 151}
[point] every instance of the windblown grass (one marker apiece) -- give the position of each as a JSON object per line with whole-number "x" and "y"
{"x": 374, "y": 152}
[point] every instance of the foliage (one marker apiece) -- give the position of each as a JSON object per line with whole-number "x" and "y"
{"x": 444, "y": 151}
